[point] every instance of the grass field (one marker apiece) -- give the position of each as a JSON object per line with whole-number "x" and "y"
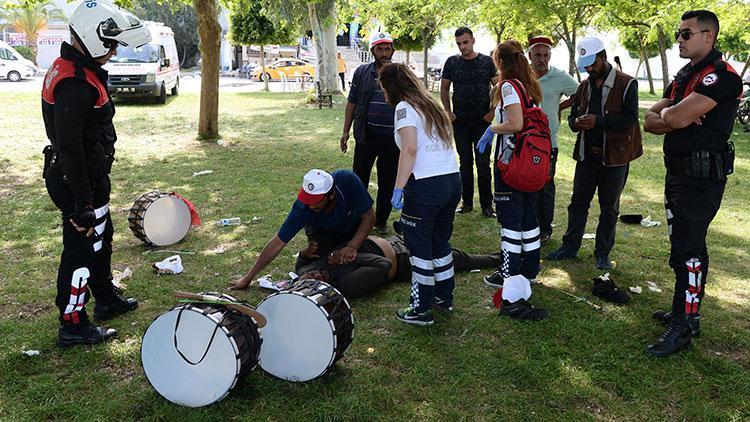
{"x": 578, "y": 364}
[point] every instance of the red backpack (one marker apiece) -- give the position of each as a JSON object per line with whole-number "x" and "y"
{"x": 529, "y": 166}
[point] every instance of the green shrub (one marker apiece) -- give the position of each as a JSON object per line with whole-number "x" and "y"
{"x": 26, "y": 52}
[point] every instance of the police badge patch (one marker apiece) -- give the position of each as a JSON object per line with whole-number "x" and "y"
{"x": 401, "y": 114}
{"x": 710, "y": 79}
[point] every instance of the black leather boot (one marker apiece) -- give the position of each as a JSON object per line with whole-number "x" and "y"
{"x": 674, "y": 339}
{"x": 694, "y": 321}
{"x": 70, "y": 335}
{"x": 105, "y": 309}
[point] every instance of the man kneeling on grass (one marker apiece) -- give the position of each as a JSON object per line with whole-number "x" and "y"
{"x": 381, "y": 260}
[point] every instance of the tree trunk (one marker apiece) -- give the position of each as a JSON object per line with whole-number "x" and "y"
{"x": 663, "y": 55}
{"x": 209, "y": 31}
{"x": 184, "y": 56}
{"x": 745, "y": 67}
{"x": 644, "y": 57}
{"x": 425, "y": 52}
{"x": 408, "y": 55}
{"x": 31, "y": 41}
{"x": 323, "y": 23}
{"x": 263, "y": 69}
{"x": 638, "y": 68}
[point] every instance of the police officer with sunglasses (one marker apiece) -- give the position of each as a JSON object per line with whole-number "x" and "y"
{"x": 696, "y": 117}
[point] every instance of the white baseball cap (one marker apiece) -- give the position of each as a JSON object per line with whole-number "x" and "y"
{"x": 315, "y": 185}
{"x": 587, "y": 50}
{"x": 380, "y": 37}
{"x": 515, "y": 288}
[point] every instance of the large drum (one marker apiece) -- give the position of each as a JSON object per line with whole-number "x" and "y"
{"x": 194, "y": 354}
{"x": 309, "y": 328}
{"x": 159, "y": 218}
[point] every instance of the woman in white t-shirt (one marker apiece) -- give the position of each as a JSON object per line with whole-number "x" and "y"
{"x": 516, "y": 210}
{"x": 428, "y": 188}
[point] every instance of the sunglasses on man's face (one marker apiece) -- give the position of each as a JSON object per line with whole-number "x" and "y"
{"x": 686, "y": 33}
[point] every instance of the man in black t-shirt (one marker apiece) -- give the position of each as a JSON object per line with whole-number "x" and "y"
{"x": 696, "y": 117}
{"x": 471, "y": 74}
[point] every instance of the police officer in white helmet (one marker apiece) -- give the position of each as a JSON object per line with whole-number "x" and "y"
{"x": 78, "y": 114}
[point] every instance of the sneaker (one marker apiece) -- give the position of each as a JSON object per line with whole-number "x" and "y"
{"x": 410, "y": 316}
{"x": 607, "y": 290}
{"x": 603, "y": 262}
{"x": 489, "y": 212}
{"x": 522, "y": 309}
{"x": 464, "y": 209}
{"x": 71, "y": 335}
{"x": 381, "y": 230}
{"x": 562, "y": 253}
{"x": 104, "y": 310}
{"x": 674, "y": 339}
{"x": 439, "y": 304}
{"x": 665, "y": 317}
{"x": 494, "y": 280}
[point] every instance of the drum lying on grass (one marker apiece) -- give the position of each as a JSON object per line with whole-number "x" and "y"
{"x": 310, "y": 326}
{"x": 194, "y": 354}
{"x": 159, "y": 218}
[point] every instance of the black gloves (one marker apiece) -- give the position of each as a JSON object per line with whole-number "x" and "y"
{"x": 84, "y": 216}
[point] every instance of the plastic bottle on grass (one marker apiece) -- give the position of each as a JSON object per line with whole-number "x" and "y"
{"x": 234, "y": 221}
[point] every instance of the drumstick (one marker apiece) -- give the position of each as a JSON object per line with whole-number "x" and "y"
{"x": 237, "y": 306}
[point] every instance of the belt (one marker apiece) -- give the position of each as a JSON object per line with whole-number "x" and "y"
{"x": 674, "y": 163}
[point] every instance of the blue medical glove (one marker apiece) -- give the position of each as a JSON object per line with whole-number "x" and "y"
{"x": 485, "y": 140}
{"x": 397, "y": 200}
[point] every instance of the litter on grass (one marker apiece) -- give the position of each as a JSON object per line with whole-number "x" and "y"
{"x": 589, "y": 236}
{"x": 648, "y": 222}
{"x": 653, "y": 287}
{"x": 202, "y": 173}
{"x": 171, "y": 265}
{"x": 636, "y": 289}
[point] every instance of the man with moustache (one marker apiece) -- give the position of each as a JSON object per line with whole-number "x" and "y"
{"x": 696, "y": 117}
{"x": 471, "y": 74}
{"x": 555, "y": 83}
{"x": 605, "y": 117}
{"x": 373, "y": 128}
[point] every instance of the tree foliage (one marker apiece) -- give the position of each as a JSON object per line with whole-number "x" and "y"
{"x": 30, "y": 17}
{"x": 249, "y": 24}
{"x": 178, "y": 16}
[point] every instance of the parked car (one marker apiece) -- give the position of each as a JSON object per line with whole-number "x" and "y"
{"x": 290, "y": 67}
{"x": 151, "y": 70}
{"x": 13, "y": 66}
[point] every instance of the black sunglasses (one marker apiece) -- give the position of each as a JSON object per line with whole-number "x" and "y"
{"x": 686, "y": 33}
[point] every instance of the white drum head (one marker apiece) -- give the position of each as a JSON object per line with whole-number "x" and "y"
{"x": 298, "y": 341}
{"x": 174, "y": 378}
{"x": 167, "y": 221}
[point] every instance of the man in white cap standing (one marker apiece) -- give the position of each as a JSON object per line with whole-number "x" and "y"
{"x": 373, "y": 127}
{"x": 555, "y": 83}
{"x": 605, "y": 117}
{"x": 333, "y": 209}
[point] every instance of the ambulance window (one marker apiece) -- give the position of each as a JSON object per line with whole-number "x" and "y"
{"x": 6, "y": 55}
{"x": 162, "y": 54}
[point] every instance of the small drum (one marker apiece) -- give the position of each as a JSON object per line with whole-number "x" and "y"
{"x": 159, "y": 218}
{"x": 310, "y": 326}
{"x": 194, "y": 354}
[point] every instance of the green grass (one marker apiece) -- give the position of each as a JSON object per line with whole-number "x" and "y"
{"x": 578, "y": 364}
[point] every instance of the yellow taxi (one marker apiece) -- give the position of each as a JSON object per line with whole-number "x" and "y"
{"x": 290, "y": 67}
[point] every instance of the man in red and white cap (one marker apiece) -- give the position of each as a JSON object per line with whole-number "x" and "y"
{"x": 333, "y": 209}
{"x": 373, "y": 127}
{"x": 555, "y": 83}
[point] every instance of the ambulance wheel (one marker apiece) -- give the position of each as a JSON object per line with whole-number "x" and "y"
{"x": 162, "y": 98}
{"x": 14, "y": 76}
{"x": 176, "y": 88}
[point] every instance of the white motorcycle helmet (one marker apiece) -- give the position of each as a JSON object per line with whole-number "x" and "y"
{"x": 100, "y": 25}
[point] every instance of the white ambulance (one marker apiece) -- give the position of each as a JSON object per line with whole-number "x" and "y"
{"x": 13, "y": 66}
{"x": 152, "y": 70}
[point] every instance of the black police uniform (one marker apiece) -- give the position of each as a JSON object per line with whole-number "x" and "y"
{"x": 78, "y": 116}
{"x": 698, "y": 159}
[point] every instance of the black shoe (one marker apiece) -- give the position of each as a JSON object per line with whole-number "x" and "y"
{"x": 607, "y": 290}
{"x": 494, "y": 280}
{"x": 562, "y": 253}
{"x": 439, "y": 304}
{"x": 522, "y": 309}
{"x": 398, "y": 227}
{"x": 70, "y": 335}
{"x": 665, "y": 317}
{"x": 464, "y": 209}
{"x": 603, "y": 262}
{"x": 410, "y": 316}
{"x": 104, "y": 310}
{"x": 381, "y": 230}
{"x": 676, "y": 338}
{"x": 489, "y": 213}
